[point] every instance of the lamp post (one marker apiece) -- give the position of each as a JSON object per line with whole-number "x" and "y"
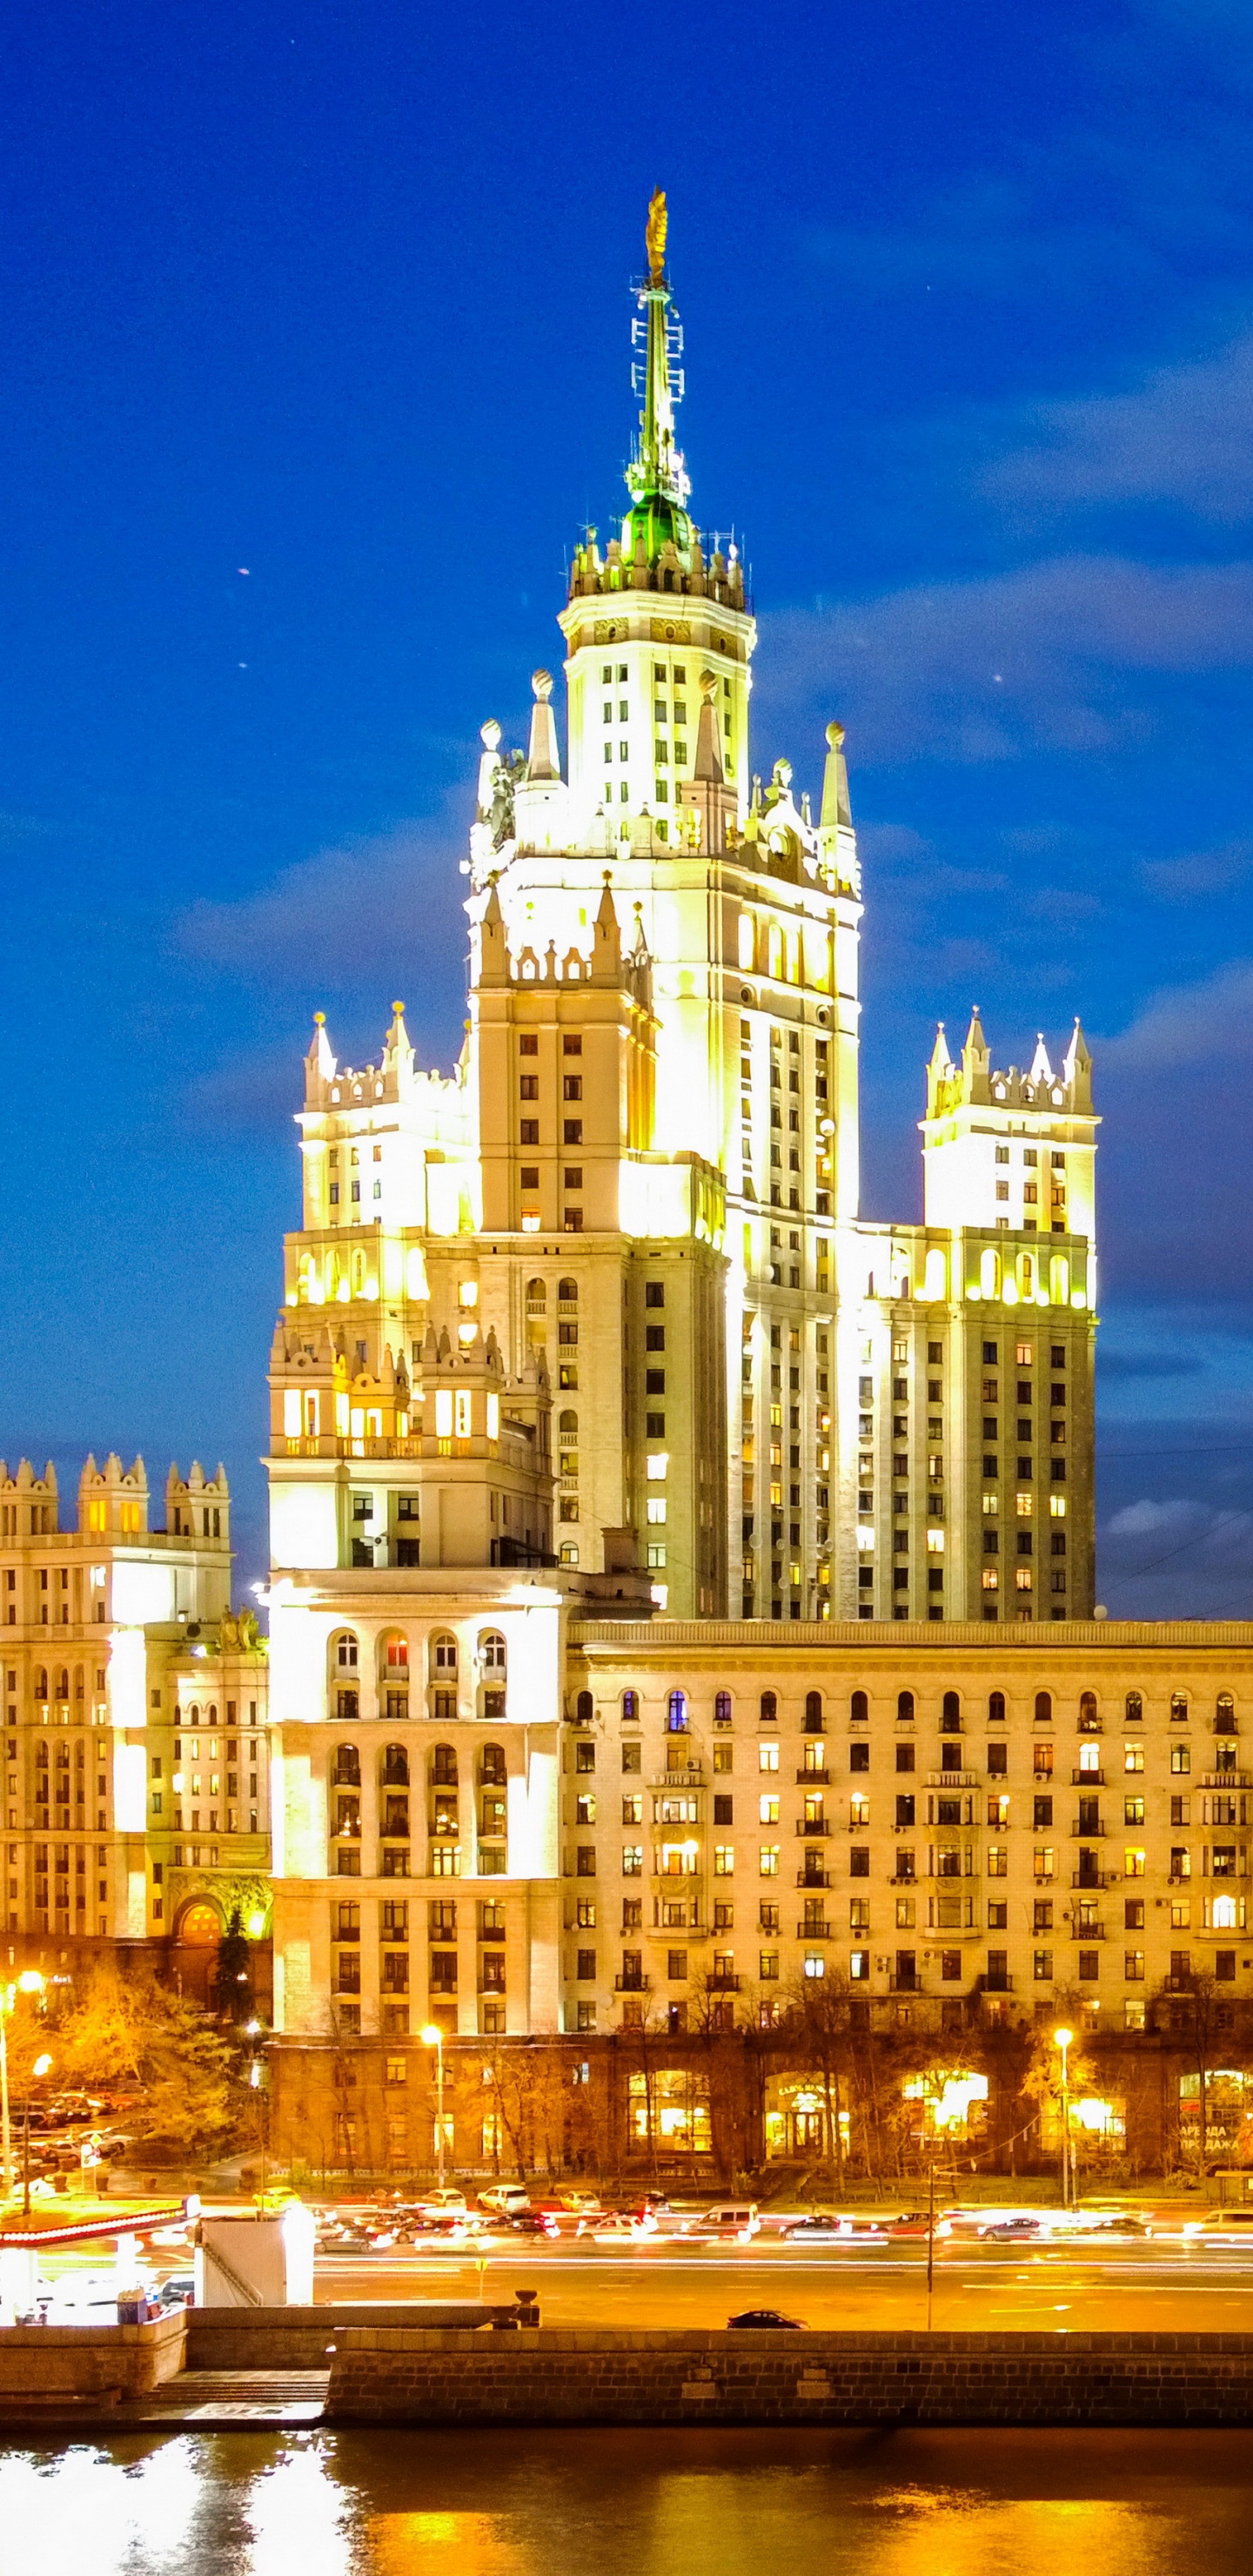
{"x": 1063, "y": 2039}
{"x": 432, "y": 2036}
{"x": 29, "y": 1983}
{"x": 41, "y": 2067}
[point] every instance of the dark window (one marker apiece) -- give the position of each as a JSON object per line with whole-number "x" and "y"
{"x": 654, "y": 1292}
{"x": 904, "y": 1756}
{"x": 1041, "y": 1811}
{"x": 859, "y": 1860}
{"x": 859, "y": 1757}
{"x": 859, "y": 1708}
{"x": 724, "y": 1811}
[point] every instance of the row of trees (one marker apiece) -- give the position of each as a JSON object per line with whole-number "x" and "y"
{"x": 180, "y": 2078}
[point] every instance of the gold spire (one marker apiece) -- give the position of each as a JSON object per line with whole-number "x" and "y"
{"x": 655, "y": 236}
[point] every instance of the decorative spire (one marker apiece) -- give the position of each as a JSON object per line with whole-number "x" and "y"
{"x": 541, "y": 758}
{"x": 835, "y": 805}
{"x": 655, "y": 477}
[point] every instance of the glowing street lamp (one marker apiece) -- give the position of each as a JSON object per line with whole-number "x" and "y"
{"x": 432, "y": 2036}
{"x": 29, "y": 1983}
{"x": 1063, "y": 2040}
{"x": 41, "y": 2067}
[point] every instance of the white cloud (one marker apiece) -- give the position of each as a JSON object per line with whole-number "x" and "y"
{"x": 1209, "y": 1024}
{"x": 1184, "y": 435}
{"x": 1012, "y": 663}
{"x": 364, "y": 909}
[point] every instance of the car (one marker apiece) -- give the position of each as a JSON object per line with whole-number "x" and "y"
{"x": 819, "y": 2227}
{"x": 434, "y": 2204}
{"x": 530, "y": 2222}
{"x": 179, "y": 2291}
{"x": 504, "y": 2197}
{"x": 767, "y": 2317}
{"x": 1012, "y": 2231}
{"x": 615, "y": 2227}
{"x": 918, "y": 2222}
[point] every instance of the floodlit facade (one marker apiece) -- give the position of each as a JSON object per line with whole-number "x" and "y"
{"x": 644, "y": 1168}
{"x": 122, "y": 1832}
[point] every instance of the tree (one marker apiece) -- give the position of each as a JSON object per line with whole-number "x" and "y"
{"x": 234, "y": 1973}
{"x": 131, "y": 2029}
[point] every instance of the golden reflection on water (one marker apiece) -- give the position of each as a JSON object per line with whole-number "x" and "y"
{"x": 654, "y": 2503}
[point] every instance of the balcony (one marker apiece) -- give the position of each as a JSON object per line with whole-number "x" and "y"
{"x": 954, "y": 1780}
{"x": 1087, "y": 1878}
{"x": 812, "y": 1779}
{"x": 1089, "y": 1932}
{"x": 722, "y": 1981}
{"x": 816, "y": 1932}
{"x": 995, "y": 1983}
{"x": 813, "y": 1825}
{"x": 1227, "y": 1779}
{"x": 905, "y": 1985}
{"x": 690, "y": 1777}
{"x": 1086, "y": 1833}
{"x": 1087, "y": 1779}
{"x": 813, "y": 1878}
{"x": 395, "y": 1775}
{"x": 632, "y": 1985}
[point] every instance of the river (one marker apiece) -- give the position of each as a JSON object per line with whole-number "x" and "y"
{"x": 629, "y": 2504}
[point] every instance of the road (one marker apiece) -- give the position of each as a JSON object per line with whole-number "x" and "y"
{"x": 1011, "y": 2287}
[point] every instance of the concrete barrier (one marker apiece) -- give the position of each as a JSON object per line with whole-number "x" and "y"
{"x": 299, "y": 2338}
{"x": 389, "y": 2374}
{"x": 55, "y": 2366}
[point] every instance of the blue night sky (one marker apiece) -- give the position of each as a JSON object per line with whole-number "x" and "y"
{"x": 339, "y": 295}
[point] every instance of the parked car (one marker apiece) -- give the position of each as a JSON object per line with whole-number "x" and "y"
{"x": 179, "y": 2291}
{"x": 754, "y": 2317}
{"x": 436, "y": 2204}
{"x": 504, "y": 2197}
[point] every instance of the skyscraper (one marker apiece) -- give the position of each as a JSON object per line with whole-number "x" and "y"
{"x": 641, "y": 1181}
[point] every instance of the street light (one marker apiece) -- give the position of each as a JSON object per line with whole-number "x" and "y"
{"x": 41, "y": 2067}
{"x": 1063, "y": 2040}
{"x": 29, "y": 1983}
{"x": 432, "y": 2036}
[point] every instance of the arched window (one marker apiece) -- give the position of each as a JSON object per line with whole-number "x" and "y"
{"x": 1089, "y": 1757}
{"x": 536, "y": 1293}
{"x": 1225, "y": 1712}
{"x": 584, "y": 1709}
{"x": 78, "y": 1681}
{"x": 952, "y": 1715}
{"x": 443, "y": 1654}
{"x": 1044, "y": 1708}
{"x": 212, "y": 1715}
{"x": 996, "y": 1708}
{"x": 813, "y": 1712}
{"x": 630, "y": 1708}
{"x": 859, "y": 1708}
{"x": 904, "y": 1707}
{"x": 492, "y": 1770}
{"x": 395, "y": 1766}
{"x": 63, "y": 1683}
{"x": 345, "y": 1652}
{"x": 769, "y": 1708}
{"x": 1134, "y": 1709}
{"x": 193, "y": 1713}
{"x": 396, "y": 1659}
{"x": 492, "y": 1652}
{"x": 1179, "y": 1708}
{"x": 676, "y": 1713}
{"x": 1224, "y": 1915}
{"x": 567, "y": 1292}
{"x": 567, "y": 1424}
{"x": 346, "y": 1767}
{"x": 1088, "y": 1719}
{"x": 722, "y": 1708}
{"x": 41, "y": 1684}
{"x": 444, "y": 1766}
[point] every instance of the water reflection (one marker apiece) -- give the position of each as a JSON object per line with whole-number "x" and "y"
{"x": 655, "y": 2503}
